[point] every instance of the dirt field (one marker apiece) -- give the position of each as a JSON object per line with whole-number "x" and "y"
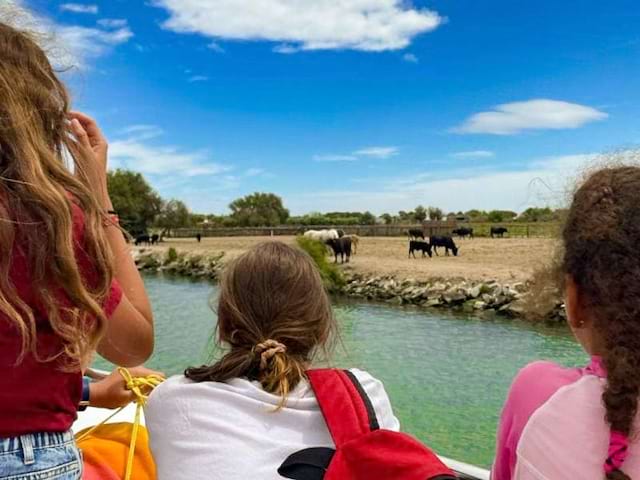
{"x": 506, "y": 260}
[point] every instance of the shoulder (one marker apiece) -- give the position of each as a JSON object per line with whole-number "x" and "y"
{"x": 169, "y": 391}
{"x": 538, "y": 381}
{"x": 376, "y": 392}
{"x": 532, "y": 388}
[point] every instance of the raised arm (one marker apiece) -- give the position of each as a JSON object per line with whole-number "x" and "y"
{"x": 129, "y": 338}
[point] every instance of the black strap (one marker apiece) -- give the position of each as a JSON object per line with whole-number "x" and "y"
{"x": 309, "y": 464}
{"x": 373, "y": 419}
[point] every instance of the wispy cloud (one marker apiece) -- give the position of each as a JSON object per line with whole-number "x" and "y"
{"x": 334, "y": 158}
{"x": 134, "y": 151}
{"x": 369, "y": 152}
{"x": 540, "y": 182}
{"x": 368, "y": 25}
{"x": 68, "y": 45}
{"x": 410, "y": 58}
{"x": 286, "y": 49}
{"x": 112, "y": 22}
{"x": 473, "y": 154}
{"x": 197, "y": 78}
{"x": 79, "y": 8}
{"x": 142, "y": 132}
{"x": 537, "y": 114}
{"x": 377, "y": 152}
{"x": 214, "y": 46}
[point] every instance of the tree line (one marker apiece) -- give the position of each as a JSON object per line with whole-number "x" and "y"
{"x": 141, "y": 209}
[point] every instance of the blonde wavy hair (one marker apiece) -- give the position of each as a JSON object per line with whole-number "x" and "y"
{"x": 36, "y": 193}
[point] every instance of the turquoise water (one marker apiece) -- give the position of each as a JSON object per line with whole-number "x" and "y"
{"x": 447, "y": 376}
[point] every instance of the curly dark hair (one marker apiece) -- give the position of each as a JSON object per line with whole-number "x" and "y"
{"x": 602, "y": 255}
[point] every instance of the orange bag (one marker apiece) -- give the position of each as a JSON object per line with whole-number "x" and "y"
{"x": 106, "y": 451}
{"x": 120, "y": 451}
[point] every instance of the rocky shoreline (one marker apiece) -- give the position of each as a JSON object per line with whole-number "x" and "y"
{"x": 482, "y": 298}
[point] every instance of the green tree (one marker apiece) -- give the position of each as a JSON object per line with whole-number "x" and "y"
{"x": 133, "y": 198}
{"x": 368, "y": 218}
{"x": 498, "y": 216}
{"x": 477, "y": 215}
{"x": 259, "y": 210}
{"x": 174, "y": 214}
{"x": 420, "y": 214}
{"x": 386, "y": 218}
{"x": 537, "y": 215}
{"x": 435, "y": 213}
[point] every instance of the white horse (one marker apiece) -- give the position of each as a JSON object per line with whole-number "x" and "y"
{"x": 322, "y": 235}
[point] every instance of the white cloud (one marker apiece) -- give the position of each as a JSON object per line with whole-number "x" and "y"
{"x": 66, "y": 45}
{"x": 198, "y": 78}
{"x": 215, "y": 47}
{"x": 369, "y": 152}
{"x": 537, "y": 114}
{"x": 286, "y": 49}
{"x": 410, "y": 58}
{"x": 79, "y": 8}
{"x": 142, "y": 132}
{"x": 368, "y": 25}
{"x": 335, "y": 158}
{"x": 135, "y": 153}
{"x": 473, "y": 154}
{"x": 80, "y": 44}
{"x": 377, "y": 152}
{"x": 112, "y": 22}
{"x": 542, "y": 182}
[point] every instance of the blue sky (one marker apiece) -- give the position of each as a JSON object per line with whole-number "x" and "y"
{"x": 354, "y": 105}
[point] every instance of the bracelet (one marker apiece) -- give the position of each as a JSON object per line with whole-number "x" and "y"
{"x": 86, "y": 394}
{"x": 111, "y": 220}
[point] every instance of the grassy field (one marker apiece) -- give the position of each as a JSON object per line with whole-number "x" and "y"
{"x": 505, "y": 260}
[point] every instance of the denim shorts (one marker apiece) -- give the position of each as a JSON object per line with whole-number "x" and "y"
{"x": 40, "y": 456}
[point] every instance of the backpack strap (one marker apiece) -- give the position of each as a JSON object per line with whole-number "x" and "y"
{"x": 345, "y": 405}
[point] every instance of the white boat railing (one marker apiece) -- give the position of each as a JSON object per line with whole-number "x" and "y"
{"x": 93, "y": 416}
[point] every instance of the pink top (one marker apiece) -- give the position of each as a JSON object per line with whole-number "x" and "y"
{"x": 553, "y": 426}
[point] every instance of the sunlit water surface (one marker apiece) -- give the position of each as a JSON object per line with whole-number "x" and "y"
{"x": 447, "y": 375}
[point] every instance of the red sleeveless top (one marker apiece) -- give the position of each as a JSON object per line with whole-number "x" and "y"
{"x": 36, "y": 396}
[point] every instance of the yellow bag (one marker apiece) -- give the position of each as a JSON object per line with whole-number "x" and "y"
{"x": 115, "y": 451}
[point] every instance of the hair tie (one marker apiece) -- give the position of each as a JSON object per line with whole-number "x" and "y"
{"x": 618, "y": 450}
{"x": 267, "y": 350}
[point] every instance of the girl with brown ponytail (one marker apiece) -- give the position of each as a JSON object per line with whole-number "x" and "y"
{"x": 243, "y": 416}
{"x": 582, "y": 424}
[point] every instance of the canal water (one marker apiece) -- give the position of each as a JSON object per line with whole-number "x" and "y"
{"x": 447, "y": 375}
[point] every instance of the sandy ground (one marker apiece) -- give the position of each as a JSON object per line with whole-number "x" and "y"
{"x": 506, "y": 260}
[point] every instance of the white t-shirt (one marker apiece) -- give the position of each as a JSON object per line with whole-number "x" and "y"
{"x": 230, "y": 431}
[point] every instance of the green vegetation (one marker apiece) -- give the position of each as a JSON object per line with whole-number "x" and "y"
{"x": 334, "y": 218}
{"x": 330, "y": 273}
{"x": 172, "y": 255}
{"x": 174, "y": 214}
{"x": 135, "y": 201}
{"x": 259, "y": 210}
{"x": 141, "y": 209}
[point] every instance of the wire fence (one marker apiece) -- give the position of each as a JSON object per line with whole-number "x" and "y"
{"x": 514, "y": 229}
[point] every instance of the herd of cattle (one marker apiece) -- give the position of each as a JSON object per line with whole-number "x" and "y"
{"x": 344, "y": 245}
{"x": 418, "y": 242}
{"x": 341, "y": 244}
